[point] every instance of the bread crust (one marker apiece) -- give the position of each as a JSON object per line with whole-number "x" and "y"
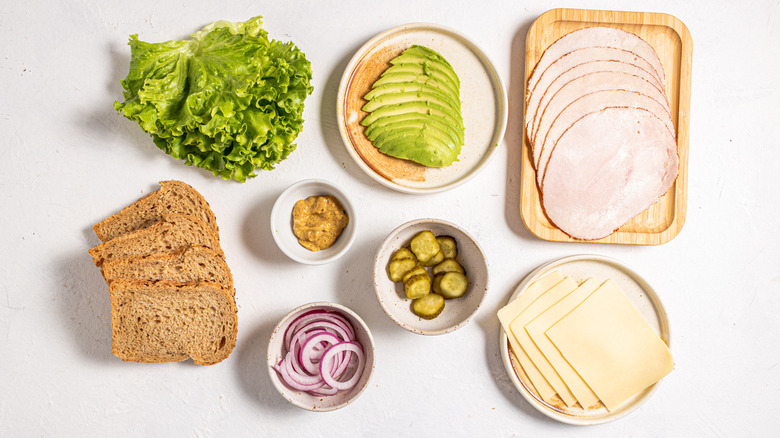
{"x": 183, "y": 264}
{"x": 138, "y": 242}
{"x": 150, "y": 209}
{"x": 135, "y": 335}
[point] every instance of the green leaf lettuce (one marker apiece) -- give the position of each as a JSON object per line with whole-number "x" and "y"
{"x": 228, "y": 100}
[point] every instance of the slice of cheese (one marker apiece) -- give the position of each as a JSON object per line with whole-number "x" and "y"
{"x": 611, "y": 346}
{"x": 536, "y": 328}
{"x": 535, "y": 309}
{"x": 508, "y": 313}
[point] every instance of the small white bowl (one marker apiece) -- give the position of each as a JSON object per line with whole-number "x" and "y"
{"x": 457, "y": 312}
{"x": 304, "y": 399}
{"x": 281, "y": 222}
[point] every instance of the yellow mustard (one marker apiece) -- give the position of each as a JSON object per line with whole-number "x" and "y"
{"x": 318, "y": 221}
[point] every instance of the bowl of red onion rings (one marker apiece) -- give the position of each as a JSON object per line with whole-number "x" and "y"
{"x": 321, "y": 356}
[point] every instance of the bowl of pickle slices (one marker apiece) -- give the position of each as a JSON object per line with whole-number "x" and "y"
{"x": 430, "y": 276}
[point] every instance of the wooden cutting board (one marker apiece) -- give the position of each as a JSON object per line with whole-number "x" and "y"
{"x": 670, "y": 38}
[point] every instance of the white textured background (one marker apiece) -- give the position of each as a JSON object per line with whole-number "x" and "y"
{"x": 69, "y": 160}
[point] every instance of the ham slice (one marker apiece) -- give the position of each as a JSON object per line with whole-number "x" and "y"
{"x": 597, "y": 37}
{"x": 575, "y": 58}
{"x": 555, "y": 124}
{"x": 582, "y": 76}
{"x": 607, "y": 168}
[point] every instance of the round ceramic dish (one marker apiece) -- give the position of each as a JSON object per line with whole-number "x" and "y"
{"x": 281, "y": 222}
{"x": 304, "y": 399}
{"x": 457, "y": 312}
{"x": 636, "y": 289}
{"x": 483, "y": 105}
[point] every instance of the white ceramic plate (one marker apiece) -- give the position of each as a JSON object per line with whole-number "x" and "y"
{"x": 483, "y": 105}
{"x": 458, "y": 312}
{"x": 636, "y": 289}
{"x": 304, "y": 399}
{"x": 281, "y": 222}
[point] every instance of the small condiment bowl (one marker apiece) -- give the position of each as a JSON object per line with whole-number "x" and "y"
{"x": 281, "y": 222}
{"x": 303, "y": 399}
{"x": 457, "y": 312}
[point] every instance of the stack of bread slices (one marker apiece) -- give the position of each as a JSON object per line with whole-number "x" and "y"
{"x": 172, "y": 295}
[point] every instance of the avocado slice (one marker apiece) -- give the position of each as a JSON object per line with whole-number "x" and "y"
{"x": 443, "y": 123}
{"x": 403, "y": 87}
{"x": 381, "y": 128}
{"x": 428, "y": 53}
{"x": 413, "y": 129}
{"x": 392, "y": 77}
{"x": 409, "y": 96}
{"x": 421, "y": 148}
{"x": 428, "y": 64}
{"x": 421, "y": 70}
{"x": 420, "y": 107}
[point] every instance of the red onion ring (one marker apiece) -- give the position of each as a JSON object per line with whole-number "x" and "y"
{"x": 317, "y": 315}
{"x": 307, "y": 355}
{"x": 321, "y": 354}
{"x": 329, "y": 355}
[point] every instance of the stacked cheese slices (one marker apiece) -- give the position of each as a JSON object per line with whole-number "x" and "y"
{"x": 172, "y": 295}
{"x": 583, "y": 343}
{"x": 600, "y": 128}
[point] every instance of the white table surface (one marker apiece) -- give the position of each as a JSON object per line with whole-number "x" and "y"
{"x": 69, "y": 160}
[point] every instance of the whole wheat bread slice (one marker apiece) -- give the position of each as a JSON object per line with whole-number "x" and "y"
{"x": 186, "y": 264}
{"x": 170, "y": 233}
{"x": 170, "y": 321}
{"x": 172, "y": 197}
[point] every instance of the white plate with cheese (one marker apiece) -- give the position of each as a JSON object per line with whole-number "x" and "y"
{"x": 556, "y": 368}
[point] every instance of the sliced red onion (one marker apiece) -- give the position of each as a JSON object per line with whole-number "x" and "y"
{"x": 285, "y": 371}
{"x": 319, "y": 348}
{"x": 327, "y": 359}
{"x": 307, "y": 355}
{"x": 317, "y": 315}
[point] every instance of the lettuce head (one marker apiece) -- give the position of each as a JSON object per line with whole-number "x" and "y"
{"x": 228, "y": 100}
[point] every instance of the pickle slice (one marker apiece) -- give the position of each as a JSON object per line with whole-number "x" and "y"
{"x": 404, "y": 253}
{"x": 417, "y": 286}
{"x": 448, "y": 265}
{"x": 429, "y": 306}
{"x": 424, "y": 245}
{"x": 435, "y": 260}
{"x": 416, "y": 271}
{"x": 448, "y": 246}
{"x": 398, "y": 268}
{"x": 450, "y": 285}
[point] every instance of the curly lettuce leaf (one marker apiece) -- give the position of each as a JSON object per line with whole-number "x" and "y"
{"x": 228, "y": 100}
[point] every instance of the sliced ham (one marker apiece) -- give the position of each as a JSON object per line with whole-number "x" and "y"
{"x": 575, "y": 58}
{"x": 597, "y": 37}
{"x": 607, "y": 168}
{"x": 603, "y": 75}
{"x": 555, "y": 124}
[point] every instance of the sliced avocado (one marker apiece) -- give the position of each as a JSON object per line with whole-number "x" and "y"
{"x": 444, "y": 123}
{"x": 428, "y": 63}
{"x": 421, "y": 70}
{"x": 381, "y": 129}
{"x": 403, "y": 87}
{"x": 417, "y": 107}
{"x": 410, "y": 130}
{"x": 421, "y": 148}
{"x": 395, "y": 77}
{"x": 411, "y": 96}
{"x": 420, "y": 121}
{"x": 429, "y": 53}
